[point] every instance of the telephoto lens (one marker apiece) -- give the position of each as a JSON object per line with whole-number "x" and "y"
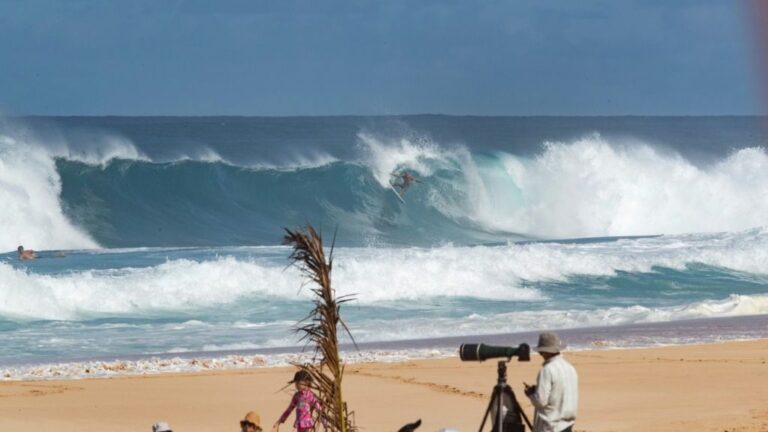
{"x": 480, "y": 352}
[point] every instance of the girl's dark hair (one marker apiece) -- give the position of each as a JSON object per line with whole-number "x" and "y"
{"x": 301, "y": 375}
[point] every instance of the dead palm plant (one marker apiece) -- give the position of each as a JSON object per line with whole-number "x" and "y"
{"x": 320, "y": 326}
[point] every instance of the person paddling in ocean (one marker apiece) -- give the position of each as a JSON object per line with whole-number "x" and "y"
{"x": 304, "y": 401}
{"x": 26, "y": 254}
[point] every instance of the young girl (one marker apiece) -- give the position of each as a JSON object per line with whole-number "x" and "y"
{"x": 304, "y": 401}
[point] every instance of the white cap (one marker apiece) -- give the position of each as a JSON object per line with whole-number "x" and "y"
{"x": 161, "y": 427}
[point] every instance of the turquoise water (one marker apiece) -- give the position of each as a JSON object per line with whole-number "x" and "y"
{"x": 170, "y": 230}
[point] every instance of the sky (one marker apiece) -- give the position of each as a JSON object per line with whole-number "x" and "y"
{"x": 386, "y": 57}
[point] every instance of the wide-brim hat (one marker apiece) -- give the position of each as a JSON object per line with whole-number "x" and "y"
{"x": 549, "y": 343}
{"x": 252, "y": 417}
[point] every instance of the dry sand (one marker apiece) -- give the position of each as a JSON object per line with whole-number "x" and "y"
{"x": 718, "y": 387}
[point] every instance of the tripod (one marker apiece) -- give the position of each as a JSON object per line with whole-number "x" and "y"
{"x": 503, "y": 406}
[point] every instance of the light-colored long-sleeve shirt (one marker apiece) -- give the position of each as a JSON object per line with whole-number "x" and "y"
{"x": 556, "y": 397}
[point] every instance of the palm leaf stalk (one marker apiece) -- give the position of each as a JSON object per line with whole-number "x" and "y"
{"x": 320, "y": 326}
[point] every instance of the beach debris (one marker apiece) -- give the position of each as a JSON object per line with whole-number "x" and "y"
{"x": 152, "y": 365}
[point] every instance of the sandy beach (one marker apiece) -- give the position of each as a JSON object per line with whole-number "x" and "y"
{"x": 714, "y": 387}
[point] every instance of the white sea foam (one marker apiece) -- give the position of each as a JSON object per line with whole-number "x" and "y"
{"x": 589, "y": 338}
{"x": 374, "y": 275}
{"x": 385, "y": 156}
{"x": 585, "y": 188}
{"x": 154, "y": 365}
{"x": 531, "y": 320}
{"x": 593, "y": 187}
{"x": 184, "y": 284}
{"x": 30, "y": 212}
{"x": 175, "y": 285}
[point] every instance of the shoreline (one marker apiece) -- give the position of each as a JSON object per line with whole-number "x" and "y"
{"x": 686, "y": 387}
{"x": 630, "y": 336}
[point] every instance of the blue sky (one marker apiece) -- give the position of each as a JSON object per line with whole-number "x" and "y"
{"x": 249, "y": 57}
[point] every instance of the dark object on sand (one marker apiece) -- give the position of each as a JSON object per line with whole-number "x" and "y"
{"x": 410, "y": 427}
{"x": 481, "y": 352}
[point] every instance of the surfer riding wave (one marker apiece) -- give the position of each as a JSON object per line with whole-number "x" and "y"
{"x": 406, "y": 179}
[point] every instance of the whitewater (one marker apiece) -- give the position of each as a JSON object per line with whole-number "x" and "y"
{"x": 615, "y": 231}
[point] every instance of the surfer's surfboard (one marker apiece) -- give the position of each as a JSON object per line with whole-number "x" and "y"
{"x": 396, "y": 194}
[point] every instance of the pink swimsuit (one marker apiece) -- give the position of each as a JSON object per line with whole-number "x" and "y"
{"x": 304, "y": 401}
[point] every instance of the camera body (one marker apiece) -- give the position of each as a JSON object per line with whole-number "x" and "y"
{"x": 481, "y": 352}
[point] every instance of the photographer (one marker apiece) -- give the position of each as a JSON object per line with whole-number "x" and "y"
{"x": 555, "y": 394}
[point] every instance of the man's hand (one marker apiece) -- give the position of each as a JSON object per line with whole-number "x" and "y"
{"x": 529, "y": 389}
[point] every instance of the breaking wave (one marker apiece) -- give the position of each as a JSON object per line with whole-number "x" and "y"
{"x": 104, "y": 191}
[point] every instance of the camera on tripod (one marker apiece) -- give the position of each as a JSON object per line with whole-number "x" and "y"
{"x": 481, "y": 352}
{"x": 505, "y": 412}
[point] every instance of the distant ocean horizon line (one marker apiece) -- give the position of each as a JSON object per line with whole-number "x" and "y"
{"x": 321, "y": 116}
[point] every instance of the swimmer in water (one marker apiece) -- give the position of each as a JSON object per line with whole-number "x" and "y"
{"x": 26, "y": 254}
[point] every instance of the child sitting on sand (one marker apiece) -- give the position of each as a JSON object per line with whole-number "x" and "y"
{"x": 304, "y": 401}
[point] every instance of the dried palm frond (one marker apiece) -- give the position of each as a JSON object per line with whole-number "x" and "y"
{"x": 320, "y": 327}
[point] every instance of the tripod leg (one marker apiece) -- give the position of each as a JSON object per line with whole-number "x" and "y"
{"x": 497, "y": 404}
{"x": 517, "y": 406}
{"x": 488, "y": 410}
{"x": 525, "y": 417}
{"x": 498, "y": 424}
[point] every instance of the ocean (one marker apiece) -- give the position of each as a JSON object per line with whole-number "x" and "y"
{"x": 160, "y": 237}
